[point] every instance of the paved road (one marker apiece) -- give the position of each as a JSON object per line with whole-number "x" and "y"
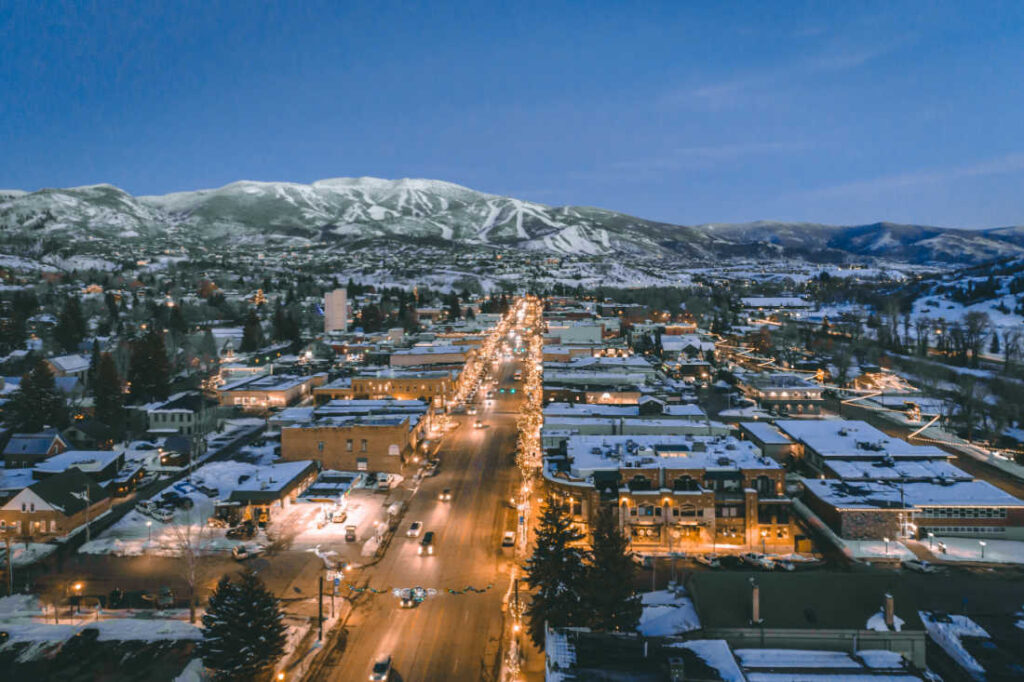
{"x": 448, "y": 637}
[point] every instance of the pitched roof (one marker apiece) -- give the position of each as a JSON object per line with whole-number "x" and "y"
{"x": 66, "y": 491}
{"x": 70, "y": 363}
{"x": 31, "y": 443}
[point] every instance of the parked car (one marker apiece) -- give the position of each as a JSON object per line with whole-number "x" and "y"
{"x": 433, "y": 467}
{"x": 145, "y": 507}
{"x": 709, "y": 560}
{"x": 381, "y": 671}
{"x": 427, "y": 543}
{"x": 919, "y": 565}
{"x": 208, "y": 491}
{"x": 414, "y": 529}
{"x": 471, "y": 410}
{"x": 243, "y": 551}
{"x": 350, "y": 533}
{"x": 162, "y": 515}
{"x": 785, "y": 564}
{"x": 508, "y": 539}
{"x": 758, "y": 560}
{"x": 446, "y": 495}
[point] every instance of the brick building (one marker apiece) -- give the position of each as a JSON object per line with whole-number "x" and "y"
{"x": 54, "y": 506}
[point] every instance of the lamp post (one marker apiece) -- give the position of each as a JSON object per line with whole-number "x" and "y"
{"x": 886, "y": 546}
{"x": 78, "y": 597}
{"x": 931, "y": 539}
{"x": 149, "y": 526}
{"x": 764, "y": 535}
{"x": 982, "y": 543}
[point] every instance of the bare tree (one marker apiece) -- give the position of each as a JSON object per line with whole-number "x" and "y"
{"x": 192, "y": 545}
{"x": 922, "y": 325}
{"x": 976, "y": 326}
{"x": 1011, "y": 348}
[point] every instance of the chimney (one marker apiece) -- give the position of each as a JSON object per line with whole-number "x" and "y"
{"x": 755, "y": 602}
{"x": 890, "y": 612}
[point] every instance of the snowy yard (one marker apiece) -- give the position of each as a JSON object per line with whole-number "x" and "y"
{"x": 969, "y": 549}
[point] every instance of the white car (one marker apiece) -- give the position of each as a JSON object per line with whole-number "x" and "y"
{"x": 381, "y": 671}
{"x": 508, "y": 539}
{"x": 145, "y": 507}
{"x": 415, "y": 528}
{"x": 163, "y": 515}
{"x": 709, "y": 560}
{"x": 244, "y": 551}
{"x": 758, "y": 560}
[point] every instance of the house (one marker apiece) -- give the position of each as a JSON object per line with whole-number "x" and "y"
{"x": 54, "y": 506}
{"x": 187, "y": 413}
{"x": 28, "y": 449}
{"x": 101, "y": 465}
{"x": 89, "y": 434}
{"x": 76, "y": 366}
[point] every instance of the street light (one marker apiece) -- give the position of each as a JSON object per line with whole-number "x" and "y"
{"x": 931, "y": 538}
{"x": 886, "y": 546}
{"x": 78, "y": 600}
{"x": 149, "y": 525}
{"x": 982, "y": 543}
{"x": 764, "y": 535}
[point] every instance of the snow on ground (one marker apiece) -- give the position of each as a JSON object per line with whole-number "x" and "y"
{"x": 947, "y": 635}
{"x": 114, "y": 629}
{"x": 666, "y": 613}
{"x": 193, "y": 672}
{"x": 131, "y": 536}
{"x": 968, "y": 549}
{"x": 23, "y": 556}
{"x": 876, "y": 549}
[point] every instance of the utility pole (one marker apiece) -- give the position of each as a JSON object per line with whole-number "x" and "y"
{"x": 320, "y": 618}
{"x": 87, "y": 503}
{"x": 10, "y": 569}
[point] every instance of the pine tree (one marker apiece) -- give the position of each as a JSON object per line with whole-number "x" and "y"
{"x": 94, "y": 363}
{"x": 109, "y": 396}
{"x": 176, "y": 321}
{"x": 208, "y": 346}
{"x": 611, "y": 602}
{"x": 149, "y": 370}
{"x": 70, "y": 329}
{"x": 243, "y": 633}
{"x": 38, "y": 402}
{"x": 252, "y": 334}
{"x": 557, "y": 572}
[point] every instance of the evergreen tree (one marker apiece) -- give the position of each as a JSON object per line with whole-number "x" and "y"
{"x": 70, "y": 329}
{"x": 208, "y": 346}
{"x": 252, "y": 333}
{"x": 38, "y": 402}
{"x": 12, "y": 333}
{"x": 149, "y": 369}
{"x": 94, "y": 363}
{"x": 176, "y": 321}
{"x": 611, "y": 602}
{"x": 109, "y": 395}
{"x": 557, "y": 572}
{"x": 243, "y": 632}
{"x": 452, "y": 306}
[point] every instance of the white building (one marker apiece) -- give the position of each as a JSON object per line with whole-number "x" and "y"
{"x": 336, "y": 310}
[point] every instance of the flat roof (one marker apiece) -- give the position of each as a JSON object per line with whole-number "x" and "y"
{"x": 896, "y": 495}
{"x": 850, "y": 438}
{"x": 589, "y": 453}
{"x": 767, "y": 433}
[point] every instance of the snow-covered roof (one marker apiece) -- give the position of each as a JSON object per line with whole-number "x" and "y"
{"x": 895, "y": 495}
{"x": 86, "y": 460}
{"x": 70, "y": 364}
{"x": 847, "y": 438}
{"x": 587, "y": 454}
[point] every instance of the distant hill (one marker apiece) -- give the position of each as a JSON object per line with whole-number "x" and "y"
{"x": 361, "y": 209}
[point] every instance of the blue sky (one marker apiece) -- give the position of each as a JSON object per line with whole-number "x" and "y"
{"x": 683, "y": 112}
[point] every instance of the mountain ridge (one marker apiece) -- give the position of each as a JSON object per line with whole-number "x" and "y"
{"x": 367, "y": 208}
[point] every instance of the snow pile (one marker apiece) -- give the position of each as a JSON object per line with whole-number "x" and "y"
{"x": 666, "y": 613}
{"x": 877, "y": 622}
{"x": 946, "y": 631}
{"x": 23, "y": 556}
{"x": 716, "y": 655}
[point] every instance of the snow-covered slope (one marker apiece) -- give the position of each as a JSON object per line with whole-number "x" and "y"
{"x": 361, "y": 209}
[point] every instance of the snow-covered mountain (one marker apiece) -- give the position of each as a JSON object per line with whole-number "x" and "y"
{"x": 356, "y": 210}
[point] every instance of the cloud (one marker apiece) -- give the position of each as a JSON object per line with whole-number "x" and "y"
{"x": 1009, "y": 163}
{"x": 739, "y": 91}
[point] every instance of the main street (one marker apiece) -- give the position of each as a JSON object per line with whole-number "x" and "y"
{"x": 448, "y": 636}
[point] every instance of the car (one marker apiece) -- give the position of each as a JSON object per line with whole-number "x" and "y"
{"x": 471, "y": 410}
{"x": 427, "y": 543}
{"x": 414, "y": 529}
{"x": 758, "y": 560}
{"x": 350, "y": 533}
{"x": 432, "y": 467}
{"x": 243, "y": 551}
{"x": 709, "y": 560}
{"x": 478, "y": 424}
{"x": 162, "y": 515}
{"x": 785, "y": 565}
{"x": 381, "y": 670}
{"x": 406, "y": 601}
{"x": 445, "y": 495}
{"x": 919, "y": 566}
{"x": 145, "y": 507}
{"x": 508, "y": 539}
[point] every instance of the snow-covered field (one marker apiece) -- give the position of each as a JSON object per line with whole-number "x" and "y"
{"x": 968, "y": 549}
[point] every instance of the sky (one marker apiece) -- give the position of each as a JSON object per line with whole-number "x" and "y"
{"x": 686, "y": 112}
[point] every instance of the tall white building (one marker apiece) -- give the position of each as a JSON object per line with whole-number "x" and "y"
{"x": 336, "y": 310}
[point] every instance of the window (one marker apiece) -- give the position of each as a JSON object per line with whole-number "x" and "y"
{"x": 32, "y": 506}
{"x": 361, "y": 464}
{"x": 362, "y": 445}
{"x": 348, "y": 445}
{"x": 24, "y": 507}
